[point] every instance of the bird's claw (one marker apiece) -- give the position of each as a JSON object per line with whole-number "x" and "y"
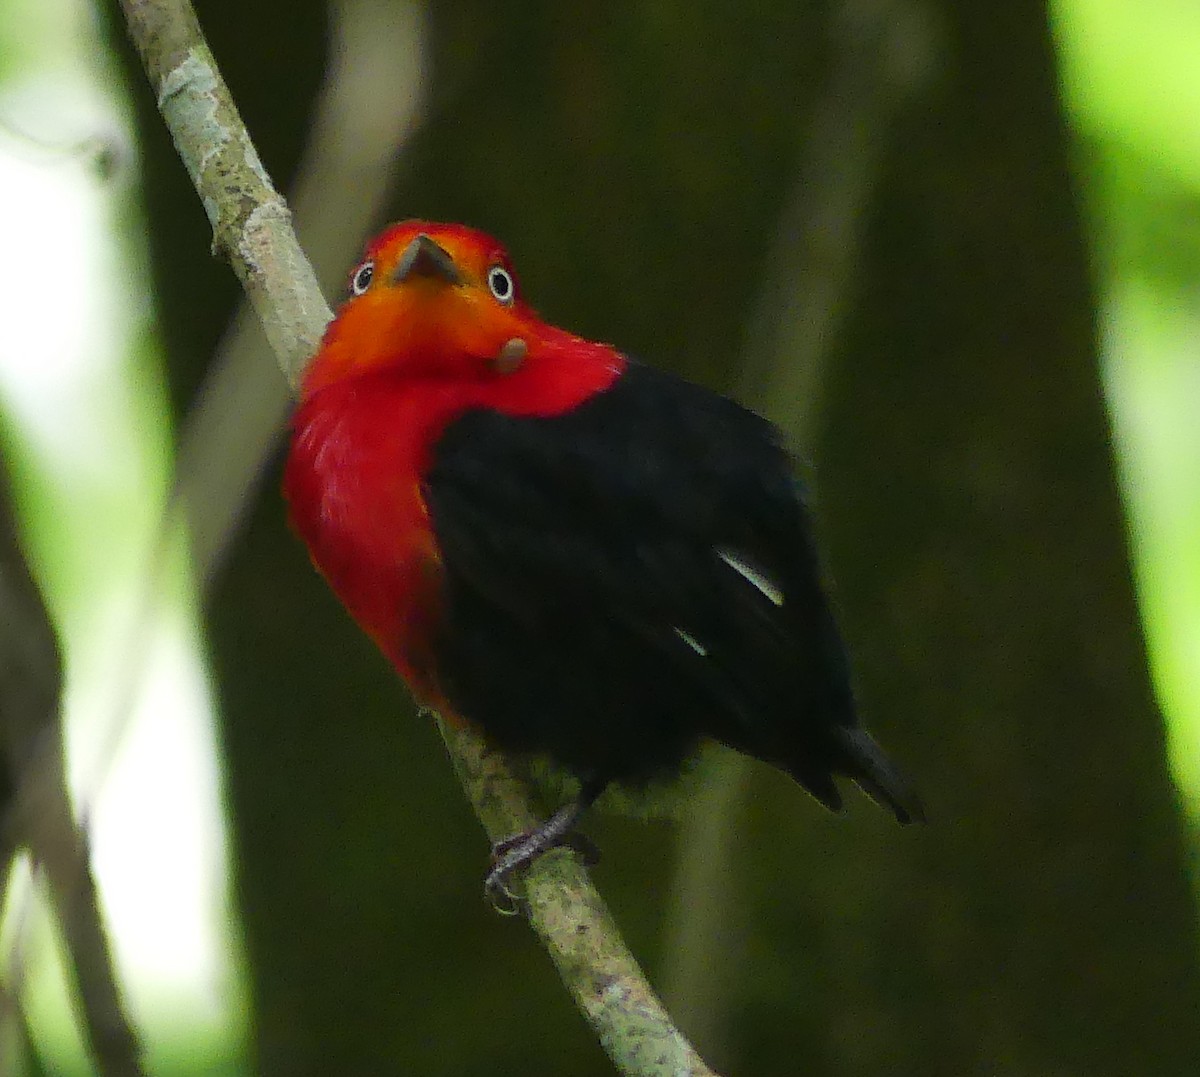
{"x": 578, "y": 843}
{"x": 513, "y": 855}
{"x": 509, "y": 857}
{"x": 498, "y": 894}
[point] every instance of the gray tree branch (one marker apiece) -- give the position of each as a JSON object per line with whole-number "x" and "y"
{"x": 251, "y": 228}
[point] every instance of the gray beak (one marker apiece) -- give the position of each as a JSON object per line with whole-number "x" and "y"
{"x": 424, "y": 258}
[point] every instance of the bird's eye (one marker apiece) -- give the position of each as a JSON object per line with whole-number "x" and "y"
{"x": 361, "y": 280}
{"x": 501, "y": 283}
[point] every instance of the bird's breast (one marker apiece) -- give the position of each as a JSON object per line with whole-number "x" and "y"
{"x": 354, "y": 489}
{"x": 355, "y": 485}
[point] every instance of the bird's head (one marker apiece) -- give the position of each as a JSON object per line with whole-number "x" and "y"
{"x": 431, "y": 300}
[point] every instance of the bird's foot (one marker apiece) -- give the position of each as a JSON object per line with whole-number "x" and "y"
{"x": 513, "y": 855}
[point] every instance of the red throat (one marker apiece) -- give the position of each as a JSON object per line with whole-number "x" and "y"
{"x": 428, "y": 334}
{"x": 361, "y": 448}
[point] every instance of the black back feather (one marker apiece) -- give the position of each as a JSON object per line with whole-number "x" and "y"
{"x": 630, "y": 577}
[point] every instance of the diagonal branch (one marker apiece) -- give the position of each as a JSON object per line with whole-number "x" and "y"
{"x": 35, "y": 805}
{"x": 251, "y": 228}
{"x": 250, "y": 220}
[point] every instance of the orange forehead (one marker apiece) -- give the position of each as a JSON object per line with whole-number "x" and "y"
{"x": 474, "y": 252}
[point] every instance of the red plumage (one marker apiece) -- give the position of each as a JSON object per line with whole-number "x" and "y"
{"x": 375, "y": 400}
{"x": 589, "y": 559}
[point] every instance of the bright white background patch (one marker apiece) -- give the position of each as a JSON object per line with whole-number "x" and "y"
{"x": 80, "y": 387}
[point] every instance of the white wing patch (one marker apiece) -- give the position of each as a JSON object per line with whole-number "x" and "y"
{"x": 692, "y": 642}
{"x": 765, "y": 585}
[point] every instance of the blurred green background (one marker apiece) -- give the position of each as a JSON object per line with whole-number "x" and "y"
{"x": 953, "y": 248}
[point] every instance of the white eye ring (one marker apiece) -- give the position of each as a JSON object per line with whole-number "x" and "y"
{"x": 501, "y": 283}
{"x": 361, "y": 280}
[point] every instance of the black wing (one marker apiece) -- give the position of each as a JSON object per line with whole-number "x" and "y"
{"x": 632, "y": 576}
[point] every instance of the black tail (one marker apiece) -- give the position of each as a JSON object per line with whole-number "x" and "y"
{"x": 874, "y": 773}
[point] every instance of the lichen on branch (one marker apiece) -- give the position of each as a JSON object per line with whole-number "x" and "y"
{"x": 252, "y": 228}
{"x": 250, "y": 220}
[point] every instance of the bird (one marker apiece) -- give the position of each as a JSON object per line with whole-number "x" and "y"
{"x": 589, "y": 559}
